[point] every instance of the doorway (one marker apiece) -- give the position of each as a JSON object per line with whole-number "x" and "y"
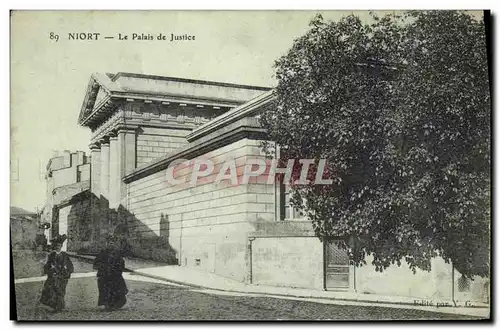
{"x": 336, "y": 261}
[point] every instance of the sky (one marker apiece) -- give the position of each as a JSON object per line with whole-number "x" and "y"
{"x": 49, "y": 78}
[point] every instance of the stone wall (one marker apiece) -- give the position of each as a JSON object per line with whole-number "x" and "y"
{"x": 298, "y": 262}
{"x": 64, "y": 177}
{"x": 65, "y": 169}
{"x": 83, "y": 172}
{"x": 60, "y": 161}
{"x": 436, "y": 284}
{"x": 155, "y": 143}
{"x": 74, "y": 221}
{"x": 67, "y": 175}
{"x": 400, "y": 281}
{"x": 207, "y": 223}
{"x": 287, "y": 253}
{"x": 288, "y": 261}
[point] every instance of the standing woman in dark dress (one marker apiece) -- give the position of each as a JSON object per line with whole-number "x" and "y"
{"x": 58, "y": 269}
{"x": 110, "y": 266}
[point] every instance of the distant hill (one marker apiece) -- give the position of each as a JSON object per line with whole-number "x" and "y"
{"x": 14, "y": 210}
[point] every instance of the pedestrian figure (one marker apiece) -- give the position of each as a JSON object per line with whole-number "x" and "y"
{"x": 58, "y": 269}
{"x": 110, "y": 266}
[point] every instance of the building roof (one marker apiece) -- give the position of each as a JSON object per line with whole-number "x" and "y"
{"x": 103, "y": 89}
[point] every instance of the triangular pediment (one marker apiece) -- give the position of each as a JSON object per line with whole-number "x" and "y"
{"x": 101, "y": 94}
{"x": 95, "y": 94}
{"x": 148, "y": 88}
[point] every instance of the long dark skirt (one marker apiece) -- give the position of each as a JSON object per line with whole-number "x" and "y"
{"x": 53, "y": 293}
{"x": 112, "y": 291}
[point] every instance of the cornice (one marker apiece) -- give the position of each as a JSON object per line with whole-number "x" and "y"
{"x": 282, "y": 229}
{"x": 119, "y": 87}
{"x": 248, "y": 109}
{"x": 115, "y": 99}
{"x": 125, "y": 128}
{"x": 194, "y": 81}
{"x": 95, "y": 84}
{"x": 130, "y": 120}
{"x": 198, "y": 148}
{"x": 177, "y": 98}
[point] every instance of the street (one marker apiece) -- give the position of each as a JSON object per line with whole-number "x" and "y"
{"x": 155, "y": 301}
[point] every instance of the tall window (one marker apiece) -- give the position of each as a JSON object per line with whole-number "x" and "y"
{"x": 286, "y": 210}
{"x": 289, "y": 212}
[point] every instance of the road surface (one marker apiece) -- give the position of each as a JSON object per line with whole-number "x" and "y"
{"x": 159, "y": 301}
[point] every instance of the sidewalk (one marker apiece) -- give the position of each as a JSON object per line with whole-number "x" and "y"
{"x": 203, "y": 280}
{"x": 130, "y": 263}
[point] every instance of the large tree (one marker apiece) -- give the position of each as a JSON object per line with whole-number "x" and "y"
{"x": 400, "y": 109}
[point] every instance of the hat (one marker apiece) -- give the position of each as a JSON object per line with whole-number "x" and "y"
{"x": 58, "y": 239}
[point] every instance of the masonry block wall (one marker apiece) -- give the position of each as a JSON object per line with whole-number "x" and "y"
{"x": 208, "y": 222}
{"x": 61, "y": 161}
{"x": 68, "y": 169}
{"x": 64, "y": 177}
{"x": 74, "y": 221}
{"x": 83, "y": 173}
{"x": 153, "y": 143}
{"x": 78, "y": 158}
{"x": 262, "y": 196}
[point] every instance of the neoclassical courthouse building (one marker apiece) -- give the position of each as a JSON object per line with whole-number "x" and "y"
{"x": 140, "y": 124}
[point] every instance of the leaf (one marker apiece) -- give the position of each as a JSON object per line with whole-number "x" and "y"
{"x": 400, "y": 107}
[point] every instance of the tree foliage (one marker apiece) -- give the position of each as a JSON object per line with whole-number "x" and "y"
{"x": 400, "y": 109}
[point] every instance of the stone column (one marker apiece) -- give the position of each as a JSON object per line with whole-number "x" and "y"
{"x": 104, "y": 188}
{"x": 105, "y": 168}
{"x": 113, "y": 170}
{"x": 127, "y": 139}
{"x": 120, "y": 165}
{"x": 95, "y": 189}
{"x": 95, "y": 169}
{"x": 114, "y": 183}
{"x": 126, "y": 158}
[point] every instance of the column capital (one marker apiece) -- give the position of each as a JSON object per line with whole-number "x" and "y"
{"x": 95, "y": 146}
{"x": 104, "y": 141}
{"x": 127, "y": 128}
{"x": 112, "y": 134}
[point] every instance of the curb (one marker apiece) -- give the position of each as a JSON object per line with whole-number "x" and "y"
{"x": 131, "y": 271}
{"x": 79, "y": 256}
{"x": 397, "y": 303}
{"x": 156, "y": 277}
